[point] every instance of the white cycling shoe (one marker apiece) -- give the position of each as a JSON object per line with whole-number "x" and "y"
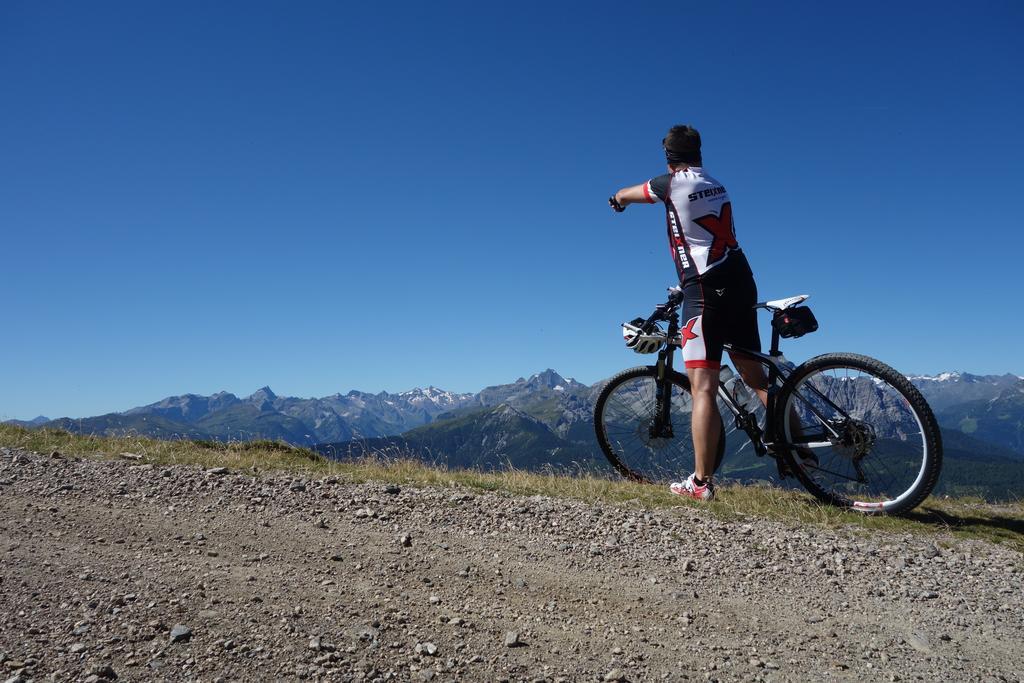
{"x": 690, "y": 489}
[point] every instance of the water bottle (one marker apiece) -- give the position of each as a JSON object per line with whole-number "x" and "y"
{"x": 740, "y": 393}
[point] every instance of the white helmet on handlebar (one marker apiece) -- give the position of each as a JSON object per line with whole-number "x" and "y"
{"x": 640, "y": 341}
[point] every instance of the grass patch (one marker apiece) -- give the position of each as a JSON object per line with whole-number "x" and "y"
{"x": 960, "y": 517}
{"x": 263, "y": 455}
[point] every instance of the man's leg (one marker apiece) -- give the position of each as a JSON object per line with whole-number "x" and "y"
{"x": 702, "y": 357}
{"x": 706, "y": 421}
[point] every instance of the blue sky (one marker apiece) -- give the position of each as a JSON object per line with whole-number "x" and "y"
{"x": 328, "y": 196}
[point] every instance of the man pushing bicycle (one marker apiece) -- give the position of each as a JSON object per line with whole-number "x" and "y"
{"x": 718, "y": 287}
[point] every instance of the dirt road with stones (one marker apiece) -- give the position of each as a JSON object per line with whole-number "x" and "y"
{"x": 145, "y": 572}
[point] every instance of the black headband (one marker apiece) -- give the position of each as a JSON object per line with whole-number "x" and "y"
{"x": 674, "y": 157}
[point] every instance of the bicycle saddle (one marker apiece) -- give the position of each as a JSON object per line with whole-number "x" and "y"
{"x": 782, "y": 304}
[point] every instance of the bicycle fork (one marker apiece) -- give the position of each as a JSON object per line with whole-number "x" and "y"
{"x": 661, "y": 427}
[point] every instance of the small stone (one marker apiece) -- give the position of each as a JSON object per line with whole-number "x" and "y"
{"x": 428, "y": 649}
{"x": 76, "y": 648}
{"x": 392, "y": 490}
{"x": 103, "y": 672}
{"x": 297, "y": 486}
{"x": 615, "y": 675}
{"x": 929, "y": 595}
{"x": 919, "y": 642}
{"x": 689, "y": 566}
{"x": 217, "y": 470}
{"x": 314, "y": 644}
{"x": 434, "y": 600}
{"x": 363, "y": 513}
{"x": 405, "y": 540}
{"x": 181, "y": 633}
{"x": 512, "y": 639}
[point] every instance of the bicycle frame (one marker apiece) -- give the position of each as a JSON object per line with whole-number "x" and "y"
{"x": 764, "y": 441}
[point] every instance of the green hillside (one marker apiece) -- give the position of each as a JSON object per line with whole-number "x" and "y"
{"x": 999, "y": 420}
{"x": 485, "y": 439}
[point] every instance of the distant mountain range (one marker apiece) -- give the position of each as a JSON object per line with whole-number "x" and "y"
{"x": 546, "y": 421}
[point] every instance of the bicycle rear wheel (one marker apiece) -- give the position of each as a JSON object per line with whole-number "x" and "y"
{"x": 623, "y": 416}
{"x": 858, "y": 434}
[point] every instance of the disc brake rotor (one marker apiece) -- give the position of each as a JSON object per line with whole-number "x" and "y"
{"x": 854, "y": 440}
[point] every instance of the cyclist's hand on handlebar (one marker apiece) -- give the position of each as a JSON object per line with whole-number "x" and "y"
{"x": 614, "y": 203}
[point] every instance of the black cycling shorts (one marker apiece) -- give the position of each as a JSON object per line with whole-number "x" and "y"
{"x": 718, "y": 308}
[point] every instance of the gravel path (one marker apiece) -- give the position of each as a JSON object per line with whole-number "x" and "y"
{"x": 175, "y": 573}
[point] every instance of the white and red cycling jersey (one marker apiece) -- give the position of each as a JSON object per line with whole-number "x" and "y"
{"x": 701, "y": 234}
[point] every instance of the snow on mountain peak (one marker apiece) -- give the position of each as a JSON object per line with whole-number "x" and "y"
{"x": 941, "y": 377}
{"x": 433, "y": 395}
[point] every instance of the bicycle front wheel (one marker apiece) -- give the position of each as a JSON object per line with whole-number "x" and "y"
{"x": 637, "y": 446}
{"x": 858, "y": 434}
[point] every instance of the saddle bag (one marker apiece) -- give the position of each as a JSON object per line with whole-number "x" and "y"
{"x": 794, "y": 322}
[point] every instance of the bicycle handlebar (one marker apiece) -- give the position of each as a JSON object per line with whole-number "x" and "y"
{"x": 663, "y": 311}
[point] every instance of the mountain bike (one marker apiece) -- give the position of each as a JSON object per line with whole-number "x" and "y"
{"x": 852, "y": 430}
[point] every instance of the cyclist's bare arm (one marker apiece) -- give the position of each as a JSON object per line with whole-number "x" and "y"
{"x": 632, "y": 195}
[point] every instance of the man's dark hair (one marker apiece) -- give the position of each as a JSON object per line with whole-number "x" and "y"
{"x": 682, "y": 146}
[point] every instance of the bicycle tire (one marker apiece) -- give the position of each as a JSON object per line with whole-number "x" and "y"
{"x": 878, "y": 428}
{"x": 664, "y": 458}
